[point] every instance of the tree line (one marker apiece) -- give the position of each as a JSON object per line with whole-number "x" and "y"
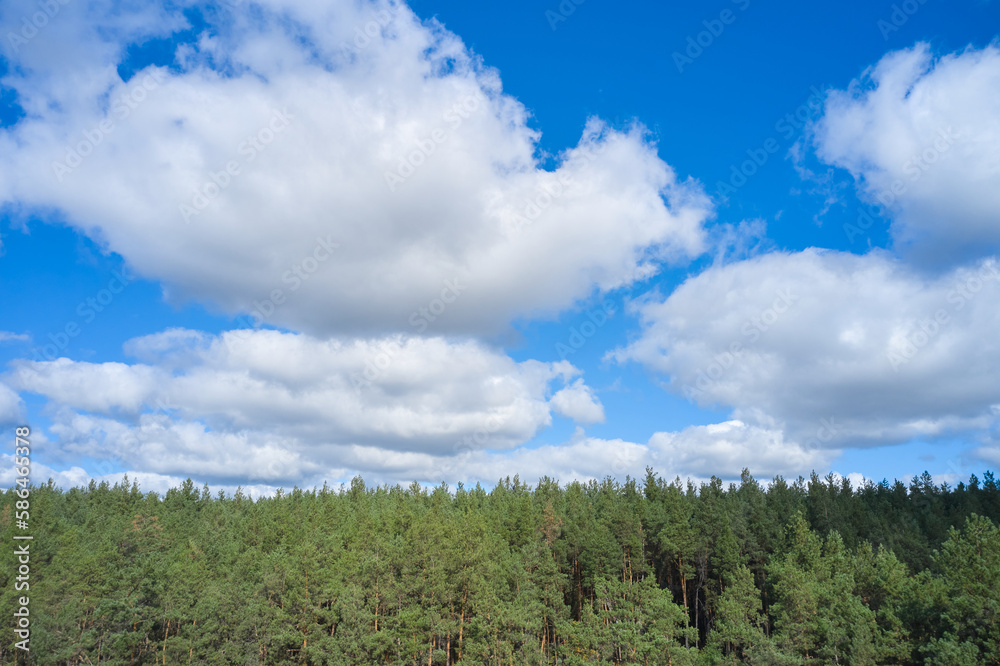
{"x": 647, "y": 571}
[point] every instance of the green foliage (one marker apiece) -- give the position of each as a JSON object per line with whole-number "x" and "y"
{"x": 740, "y": 626}
{"x": 808, "y": 572}
{"x": 969, "y": 564}
{"x": 818, "y": 618}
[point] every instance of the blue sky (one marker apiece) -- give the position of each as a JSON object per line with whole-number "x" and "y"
{"x": 221, "y": 226}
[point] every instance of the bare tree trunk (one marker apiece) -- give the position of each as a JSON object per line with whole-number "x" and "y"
{"x": 165, "y": 634}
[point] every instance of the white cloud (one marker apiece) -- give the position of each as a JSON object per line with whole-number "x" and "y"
{"x": 331, "y": 122}
{"x": 229, "y": 406}
{"x": 7, "y": 336}
{"x": 725, "y": 449}
{"x": 40, "y": 473}
{"x": 77, "y": 477}
{"x": 836, "y": 349}
{"x": 10, "y": 406}
{"x": 372, "y": 188}
{"x": 922, "y": 137}
{"x": 159, "y": 445}
{"x": 98, "y": 387}
{"x": 272, "y": 409}
{"x": 695, "y": 453}
{"x": 579, "y": 403}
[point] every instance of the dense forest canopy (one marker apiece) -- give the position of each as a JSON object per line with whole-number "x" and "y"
{"x": 640, "y": 572}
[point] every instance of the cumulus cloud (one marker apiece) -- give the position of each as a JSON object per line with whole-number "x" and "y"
{"x": 98, "y": 387}
{"x": 40, "y": 473}
{"x": 725, "y": 449}
{"x": 10, "y": 406}
{"x": 695, "y": 453}
{"x": 835, "y": 349}
{"x": 334, "y": 167}
{"x": 269, "y": 409}
{"x": 77, "y": 477}
{"x": 579, "y": 403}
{"x": 265, "y": 405}
{"x": 921, "y": 135}
{"x": 160, "y": 445}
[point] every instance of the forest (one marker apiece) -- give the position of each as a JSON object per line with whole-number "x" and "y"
{"x": 646, "y": 571}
